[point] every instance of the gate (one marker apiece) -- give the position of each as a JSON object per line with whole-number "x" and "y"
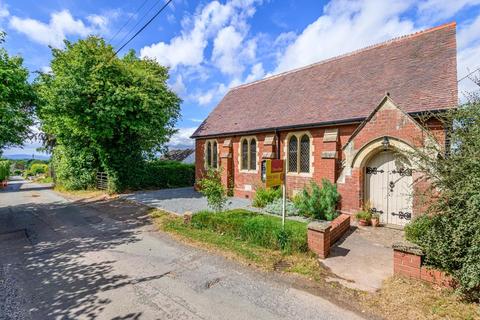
{"x": 102, "y": 181}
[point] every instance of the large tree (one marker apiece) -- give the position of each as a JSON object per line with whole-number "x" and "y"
{"x": 16, "y": 100}
{"x": 103, "y": 113}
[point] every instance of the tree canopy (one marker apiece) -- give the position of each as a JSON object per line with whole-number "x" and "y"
{"x": 100, "y": 112}
{"x": 16, "y": 100}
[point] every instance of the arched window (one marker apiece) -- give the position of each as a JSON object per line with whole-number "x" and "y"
{"x": 245, "y": 154}
{"x": 293, "y": 154}
{"x": 253, "y": 154}
{"x": 248, "y": 154}
{"x": 299, "y": 153}
{"x": 215, "y": 155}
{"x": 305, "y": 154}
{"x": 211, "y": 154}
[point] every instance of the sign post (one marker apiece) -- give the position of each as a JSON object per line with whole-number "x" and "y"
{"x": 273, "y": 174}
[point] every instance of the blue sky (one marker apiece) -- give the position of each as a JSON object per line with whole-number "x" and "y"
{"x": 211, "y": 46}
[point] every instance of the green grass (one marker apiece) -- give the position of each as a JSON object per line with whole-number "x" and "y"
{"x": 257, "y": 229}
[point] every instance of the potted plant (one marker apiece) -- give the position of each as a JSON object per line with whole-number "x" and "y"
{"x": 364, "y": 217}
{"x": 375, "y": 219}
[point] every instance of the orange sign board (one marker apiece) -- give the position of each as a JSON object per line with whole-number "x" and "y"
{"x": 274, "y": 172}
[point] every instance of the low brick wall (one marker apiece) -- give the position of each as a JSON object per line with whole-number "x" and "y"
{"x": 322, "y": 234}
{"x": 408, "y": 262}
{"x": 340, "y": 225}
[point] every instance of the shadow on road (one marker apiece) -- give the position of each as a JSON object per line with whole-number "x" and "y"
{"x": 49, "y": 265}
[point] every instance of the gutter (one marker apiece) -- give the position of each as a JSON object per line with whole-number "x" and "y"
{"x": 284, "y": 128}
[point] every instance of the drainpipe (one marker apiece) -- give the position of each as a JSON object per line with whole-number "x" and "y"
{"x": 277, "y": 138}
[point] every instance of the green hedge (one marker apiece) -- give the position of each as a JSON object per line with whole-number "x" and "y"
{"x": 160, "y": 174}
{"x": 4, "y": 170}
{"x": 262, "y": 230}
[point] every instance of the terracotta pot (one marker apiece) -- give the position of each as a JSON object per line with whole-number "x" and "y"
{"x": 375, "y": 222}
{"x": 363, "y": 222}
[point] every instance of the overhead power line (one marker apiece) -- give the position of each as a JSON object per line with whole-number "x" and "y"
{"x": 128, "y": 21}
{"x": 144, "y": 26}
{"x": 468, "y": 75}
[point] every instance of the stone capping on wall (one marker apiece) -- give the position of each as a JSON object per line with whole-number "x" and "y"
{"x": 408, "y": 261}
{"x": 323, "y": 234}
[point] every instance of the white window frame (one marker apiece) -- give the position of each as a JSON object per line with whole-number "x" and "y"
{"x": 205, "y": 148}
{"x": 240, "y": 160}
{"x": 298, "y": 135}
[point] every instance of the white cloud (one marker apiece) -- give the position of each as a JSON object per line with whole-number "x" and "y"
{"x": 3, "y": 10}
{"x": 346, "y": 25}
{"x": 178, "y": 86}
{"x": 205, "y": 98}
{"x": 61, "y": 25}
{"x": 188, "y": 48}
{"x": 256, "y": 73}
{"x": 437, "y": 10}
{"x": 181, "y": 139}
{"x": 225, "y": 50}
{"x": 468, "y": 53}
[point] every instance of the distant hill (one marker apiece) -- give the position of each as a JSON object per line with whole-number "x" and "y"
{"x": 25, "y": 156}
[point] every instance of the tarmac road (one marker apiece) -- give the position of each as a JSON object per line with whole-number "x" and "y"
{"x": 74, "y": 260}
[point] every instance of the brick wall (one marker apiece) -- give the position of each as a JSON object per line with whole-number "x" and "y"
{"x": 386, "y": 122}
{"x": 408, "y": 262}
{"x": 340, "y": 226}
{"x": 322, "y": 234}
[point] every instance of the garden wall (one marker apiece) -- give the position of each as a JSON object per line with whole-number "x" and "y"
{"x": 408, "y": 262}
{"x": 322, "y": 234}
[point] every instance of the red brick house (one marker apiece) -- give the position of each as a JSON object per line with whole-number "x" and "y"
{"x": 347, "y": 119}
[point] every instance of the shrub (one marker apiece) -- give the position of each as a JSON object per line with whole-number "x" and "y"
{"x": 275, "y": 207}
{"x": 451, "y": 239}
{"x": 262, "y": 230}
{"x": 264, "y": 196}
{"x": 318, "y": 203}
{"x": 4, "y": 170}
{"x": 211, "y": 187}
{"x": 416, "y": 230}
{"x": 364, "y": 215}
{"x": 38, "y": 168}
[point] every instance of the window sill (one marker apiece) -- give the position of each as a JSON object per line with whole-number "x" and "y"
{"x": 301, "y": 174}
{"x": 248, "y": 171}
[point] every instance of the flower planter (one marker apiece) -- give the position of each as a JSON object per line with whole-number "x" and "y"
{"x": 375, "y": 222}
{"x": 363, "y": 222}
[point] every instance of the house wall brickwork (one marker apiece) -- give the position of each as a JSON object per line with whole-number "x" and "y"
{"x": 350, "y": 139}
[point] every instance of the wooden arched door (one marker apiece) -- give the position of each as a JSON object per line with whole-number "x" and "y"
{"x": 388, "y": 187}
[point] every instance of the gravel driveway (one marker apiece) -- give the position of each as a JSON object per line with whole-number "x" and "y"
{"x": 104, "y": 260}
{"x": 181, "y": 199}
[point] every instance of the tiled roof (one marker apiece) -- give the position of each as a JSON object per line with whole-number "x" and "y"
{"x": 419, "y": 71}
{"x": 177, "y": 155}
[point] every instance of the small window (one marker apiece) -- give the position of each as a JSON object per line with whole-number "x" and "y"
{"x": 215, "y": 155}
{"x": 292, "y": 154}
{"x": 245, "y": 154}
{"x": 248, "y": 154}
{"x": 253, "y": 154}
{"x": 299, "y": 154}
{"x": 211, "y": 154}
{"x": 305, "y": 154}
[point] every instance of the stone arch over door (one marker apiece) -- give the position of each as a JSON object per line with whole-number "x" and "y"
{"x": 387, "y": 179}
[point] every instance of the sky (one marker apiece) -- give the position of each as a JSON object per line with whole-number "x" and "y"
{"x": 211, "y": 46}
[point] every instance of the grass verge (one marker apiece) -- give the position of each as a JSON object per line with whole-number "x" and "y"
{"x": 81, "y": 194}
{"x": 399, "y": 298}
